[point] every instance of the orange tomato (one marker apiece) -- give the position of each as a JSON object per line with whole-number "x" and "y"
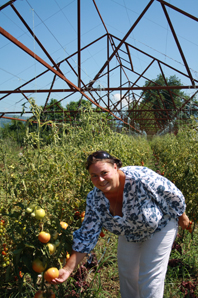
{"x": 51, "y": 273}
{"x": 51, "y": 293}
{"x": 38, "y": 266}
{"x": 64, "y": 225}
{"x": 39, "y": 294}
{"x": 44, "y": 237}
{"x": 82, "y": 214}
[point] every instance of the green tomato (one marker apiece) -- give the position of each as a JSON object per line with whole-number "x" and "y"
{"x": 39, "y": 213}
{"x": 38, "y": 265}
{"x": 57, "y": 243}
{"x": 51, "y": 248}
{"x": 54, "y": 235}
{"x": 29, "y": 210}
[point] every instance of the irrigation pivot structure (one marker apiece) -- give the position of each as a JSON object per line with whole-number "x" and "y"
{"x": 113, "y": 82}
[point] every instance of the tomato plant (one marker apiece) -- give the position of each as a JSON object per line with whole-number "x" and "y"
{"x": 178, "y": 161}
{"x": 45, "y": 188}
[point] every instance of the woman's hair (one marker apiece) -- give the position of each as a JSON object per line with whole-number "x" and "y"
{"x": 102, "y": 156}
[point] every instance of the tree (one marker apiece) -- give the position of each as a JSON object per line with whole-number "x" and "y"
{"x": 73, "y": 108}
{"x": 53, "y": 111}
{"x": 162, "y": 104}
{"x": 14, "y": 130}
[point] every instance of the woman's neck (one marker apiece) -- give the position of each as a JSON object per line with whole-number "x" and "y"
{"x": 118, "y": 191}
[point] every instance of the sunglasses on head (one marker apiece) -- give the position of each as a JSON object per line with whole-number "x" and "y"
{"x": 98, "y": 155}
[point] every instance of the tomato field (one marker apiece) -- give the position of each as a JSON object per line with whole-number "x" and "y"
{"x": 43, "y": 192}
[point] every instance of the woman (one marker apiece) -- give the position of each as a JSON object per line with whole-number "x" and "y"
{"x": 143, "y": 209}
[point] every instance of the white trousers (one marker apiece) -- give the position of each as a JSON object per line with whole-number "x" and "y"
{"x": 143, "y": 265}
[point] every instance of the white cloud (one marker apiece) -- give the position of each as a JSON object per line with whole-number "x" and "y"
{"x": 116, "y": 97}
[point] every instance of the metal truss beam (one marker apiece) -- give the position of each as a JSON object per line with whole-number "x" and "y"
{"x": 129, "y": 100}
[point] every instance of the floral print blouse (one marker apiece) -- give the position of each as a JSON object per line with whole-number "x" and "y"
{"x": 149, "y": 202}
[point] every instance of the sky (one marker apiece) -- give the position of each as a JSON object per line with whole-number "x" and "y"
{"x": 54, "y": 22}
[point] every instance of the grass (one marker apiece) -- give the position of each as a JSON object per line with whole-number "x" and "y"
{"x": 181, "y": 277}
{"x": 108, "y": 278}
{"x": 182, "y": 273}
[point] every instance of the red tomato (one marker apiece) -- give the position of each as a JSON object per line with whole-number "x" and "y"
{"x": 102, "y": 234}
{"x": 77, "y": 214}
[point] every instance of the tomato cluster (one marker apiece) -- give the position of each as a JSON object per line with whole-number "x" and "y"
{"x": 41, "y": 245}
{"x": 5, "y": 259}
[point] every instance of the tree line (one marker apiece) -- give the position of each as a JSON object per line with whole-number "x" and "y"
{"x": 161, "y": 106}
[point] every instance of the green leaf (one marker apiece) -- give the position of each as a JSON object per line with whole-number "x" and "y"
{"x": 7, "y": 275}
{"x": 17, "y": 251}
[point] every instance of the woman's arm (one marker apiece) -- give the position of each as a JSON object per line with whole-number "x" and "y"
{"x": 183, "y": 221}
{"x": 64, "y": 273}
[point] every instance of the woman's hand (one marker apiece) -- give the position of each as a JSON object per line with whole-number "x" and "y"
{"x": 184, "y": 221}
{"x": 64, "y": 273}
{"x": 63, "y": 276}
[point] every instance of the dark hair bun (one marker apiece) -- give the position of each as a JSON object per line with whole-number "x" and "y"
{"x": 118, "y": 162}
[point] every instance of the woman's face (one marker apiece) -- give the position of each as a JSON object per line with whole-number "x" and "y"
{"x": 104, "y": 176}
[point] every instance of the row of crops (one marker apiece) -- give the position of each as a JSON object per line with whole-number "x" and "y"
{"x": 43, "y": 193}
